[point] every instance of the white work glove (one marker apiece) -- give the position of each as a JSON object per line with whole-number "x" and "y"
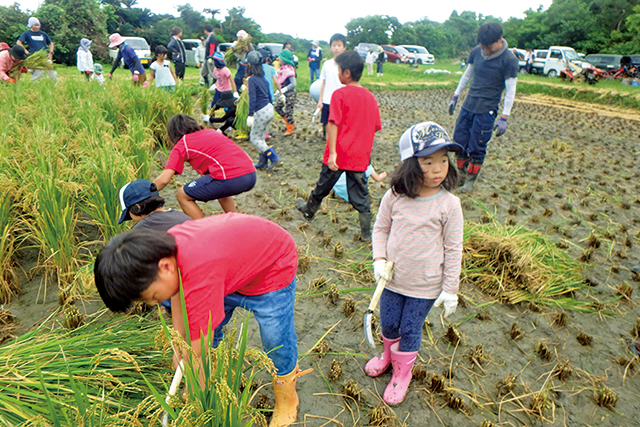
{"x": 219, "y": 131}
{"x": 378, "y": 269}
{"x": 205, "y": 118}
{"x": 235, "y": 95}
{"x": 450, "y": 302}
{"x": 250, "y": 121}
{"x": 243, "y": 88}
{"x": 283, "y": 90}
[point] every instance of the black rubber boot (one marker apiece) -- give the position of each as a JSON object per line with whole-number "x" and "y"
{"x": 302, "y": 207}
{"x": 365, "y": 226}
{"x": 463, "y": 166}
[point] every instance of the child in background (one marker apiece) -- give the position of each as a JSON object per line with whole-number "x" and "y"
{"x": 379, "y": 61}
{"x": 330, "y": 80}
{"x": 315, "y": 59}
{"x": 162, "y": 71}
{"x": 287, "y": 81}
{"x": 340, "y": 187}
{"x": 84, "y": 59}
{"x": 419, "y": 228}
{"x": 221, "y": 262}
{"x": 260, "y": 110}
{"x": 228, "y": 103}
{"x": 222, "y": 74}
{"x": 97, "y": 74}
{"x": 225, "y": 168}
{"x": 353, "y": 122}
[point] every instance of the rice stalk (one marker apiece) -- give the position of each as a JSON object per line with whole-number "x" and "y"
{"x": 8, "y": 223}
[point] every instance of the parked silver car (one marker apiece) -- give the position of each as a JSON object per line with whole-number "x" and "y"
{"x": 421, "y": 53}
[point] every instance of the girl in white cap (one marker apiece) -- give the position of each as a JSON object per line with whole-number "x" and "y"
{"x": 419, "y": 227}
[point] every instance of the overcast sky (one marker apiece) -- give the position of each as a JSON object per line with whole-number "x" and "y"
{"x": 322, "y": 18}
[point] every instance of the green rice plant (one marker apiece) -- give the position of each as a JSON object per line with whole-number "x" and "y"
{"x": 138, "y": 144}
{"x": 516, "y": 265}
{"x": 90, "y": 376}
{"x": 220, "y": 396}
{"x": 240, "y": 124}
{"x": 53, "y": 218}
{"x": 8, "y": 223}
{"x": 105, "y": 175}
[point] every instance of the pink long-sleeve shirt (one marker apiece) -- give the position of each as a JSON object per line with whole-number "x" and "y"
{"x": 6, "y": 63}
{"x": 423, "y": 236}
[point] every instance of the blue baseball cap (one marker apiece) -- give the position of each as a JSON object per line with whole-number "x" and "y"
{"x": 132, "y": 193}
{"x": 424, "y": 139}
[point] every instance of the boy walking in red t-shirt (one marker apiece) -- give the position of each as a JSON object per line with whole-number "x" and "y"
{"x": 219, "y": 271}
{"x": 354, "y": 119}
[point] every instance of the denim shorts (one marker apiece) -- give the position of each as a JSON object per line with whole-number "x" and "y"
{"x": 274, "y": 313}
{"x": 206, "y": 188}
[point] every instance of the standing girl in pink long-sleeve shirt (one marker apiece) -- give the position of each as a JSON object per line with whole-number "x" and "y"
{"x": 419, "y": 227}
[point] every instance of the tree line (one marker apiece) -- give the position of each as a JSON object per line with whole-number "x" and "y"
{"x": 610, "y": 26}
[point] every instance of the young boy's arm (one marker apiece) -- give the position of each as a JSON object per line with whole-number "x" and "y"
{"x": 320, "y": 97}
{"x": 164, "y": 178}
{"x": 332, "y": 136}
{"x": 377, "y": 177}
{"x": 173, "y": 73}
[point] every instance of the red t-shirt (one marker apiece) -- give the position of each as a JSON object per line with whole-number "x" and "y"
{"x": 233, "y": 252}
{"x": 209, "y": 151}
{"x": 355, "y": 111}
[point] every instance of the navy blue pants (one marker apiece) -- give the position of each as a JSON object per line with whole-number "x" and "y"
{"x": 402, "y": 317}
{"x": 473, "y": 132}
{"x": 206, "y": 188}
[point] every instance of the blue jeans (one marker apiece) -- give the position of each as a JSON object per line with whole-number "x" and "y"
{"x": 402, "y": 317}
{"x": 274, "y": 313}
{"x": 315, "y": 74}
{"x": 473, "y": 132}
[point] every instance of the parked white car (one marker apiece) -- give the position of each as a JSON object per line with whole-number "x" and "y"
{"x": 557, "y": 60}
{"x": 421, "y": 53}
{"x": 140, "y": 46}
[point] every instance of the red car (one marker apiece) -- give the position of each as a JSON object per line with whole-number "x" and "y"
{"x": 398, "y": 54}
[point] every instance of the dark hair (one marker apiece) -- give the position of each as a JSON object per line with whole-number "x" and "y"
{"x": 408, "y": 178}
{"x": 208, "y": 28}
{"x": 255, "y": 70}
{"x": 352, "y": 61}
{"x": 147, "y": 206}
{"x": 489, "y": 33}
{"x": 284, "y": 45}
{"x": 337, "y": 37}
{"x": 128, "y": 264}
{"x": 160, "y": 50}
{"x": 180, "y": 125}
{"x": 175, "y": 31}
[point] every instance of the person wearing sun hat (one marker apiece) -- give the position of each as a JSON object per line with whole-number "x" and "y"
{"x": 9, "y": 59}
{"x": 84, "y": 59}
{"x": 223, "y": 79}
{"x": 315, "y": 58}
{"x": 37, "y": 40}
{"x": 287, "y": 81}
{"x": 97, "y": 73}
{"x": 130, "y": 58}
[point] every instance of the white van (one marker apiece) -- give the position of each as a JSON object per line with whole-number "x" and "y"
{"x": 140, "y": 46}
{"x": 421, "y": 53}
{"x": 557, "y": 60}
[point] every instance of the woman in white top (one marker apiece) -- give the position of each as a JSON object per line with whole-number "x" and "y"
{"x": 371, "y": 58}
{"x": 84, "y": 59}
{"x": 162, "y": 71}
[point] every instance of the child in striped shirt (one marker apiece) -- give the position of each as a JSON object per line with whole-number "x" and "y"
{"x": 419, "y": 227}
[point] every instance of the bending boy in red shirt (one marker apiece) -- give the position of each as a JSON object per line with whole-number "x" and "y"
{"x": 219, "y": 271}
{"x": 354, "y": 118}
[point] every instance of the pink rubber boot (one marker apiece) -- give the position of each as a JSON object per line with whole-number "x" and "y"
{"x": 402, "y": 363}
{"x": 377, "y": 365}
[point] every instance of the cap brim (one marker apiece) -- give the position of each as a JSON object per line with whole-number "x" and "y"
{"x": 452, "y": 146}
{"x": 124, "y": 216}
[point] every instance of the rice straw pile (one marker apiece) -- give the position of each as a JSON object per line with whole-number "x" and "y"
{"x": 515, "y": 265}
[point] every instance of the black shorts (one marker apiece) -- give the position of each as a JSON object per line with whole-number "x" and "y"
{"x": 206, "y": 188}
{"x": 324, "y": 117}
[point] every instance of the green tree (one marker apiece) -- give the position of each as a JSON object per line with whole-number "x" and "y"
{"x": 377, "y": 29}
{"x": 67, "y": 21}
{"x": 193, "y": 21}
{"x": 13, "y": 22}
{"x": 236, "y": 21}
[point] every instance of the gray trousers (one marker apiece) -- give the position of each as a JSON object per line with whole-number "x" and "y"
{"x": 261, "y": 120}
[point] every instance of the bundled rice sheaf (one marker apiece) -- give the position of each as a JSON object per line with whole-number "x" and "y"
{"x": 514, "y": 265}
{"x": 36, "y": 61}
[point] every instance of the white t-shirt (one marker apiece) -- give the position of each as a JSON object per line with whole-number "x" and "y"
{"x": 163, "y": 74}
{"x": 371, "y": 58}
{"x": 332, "y": 83}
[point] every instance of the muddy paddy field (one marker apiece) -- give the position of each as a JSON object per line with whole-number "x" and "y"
{"x": 567, "y": 171}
